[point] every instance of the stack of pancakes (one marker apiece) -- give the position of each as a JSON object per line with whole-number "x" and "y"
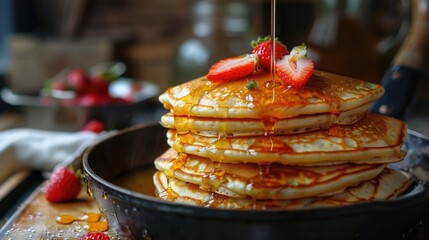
{"x": 277, "y": 147}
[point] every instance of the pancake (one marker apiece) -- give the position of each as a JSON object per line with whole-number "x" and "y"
{"x": 325, "y": 93}
{"x": 263, "y": 182}
{"x": 375, "y": 139}
{"x": 275, "y": 146}
{"x": 245, "y": 127}
{"x": 387, "y": 185}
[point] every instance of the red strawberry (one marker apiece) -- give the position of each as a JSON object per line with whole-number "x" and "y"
{"x": 62, "y": 186}
{"x": 94, "y": 236}
{"x": 232, "y": 68}
{"x": 262, "y": 48}
{"x": 99, "y": 85}
{"x": 92, "y": 99}
{"x": 295, "y": 69}
{"x": 78, "y": 80}
{"x": 93, "y": 126}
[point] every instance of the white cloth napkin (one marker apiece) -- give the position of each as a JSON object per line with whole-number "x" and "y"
{"x": 40, "y": 149}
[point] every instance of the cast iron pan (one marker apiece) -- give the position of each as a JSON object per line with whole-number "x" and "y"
{"x": 139, "y": 216}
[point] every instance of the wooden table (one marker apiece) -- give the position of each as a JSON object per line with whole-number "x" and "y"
{"x": 36, "y": 218}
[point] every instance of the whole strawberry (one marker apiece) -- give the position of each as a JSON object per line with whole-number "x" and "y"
{"x": 78, "y": 80}
{"x": 94, "y": 236}
{"x": 262, "y": 48}
{"x": 99, "y": 85}
{"x": 63, "y": 185}
{"x": 95, "y": 126}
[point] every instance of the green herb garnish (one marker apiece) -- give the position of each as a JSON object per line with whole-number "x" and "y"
{"x": 251, "y": 84}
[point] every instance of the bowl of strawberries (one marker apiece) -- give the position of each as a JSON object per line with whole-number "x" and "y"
{"x": 76, "y": 86}
{"x": 76, "y": 96}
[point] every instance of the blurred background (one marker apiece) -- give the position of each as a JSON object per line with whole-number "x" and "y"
{"x": 166, "y": 42}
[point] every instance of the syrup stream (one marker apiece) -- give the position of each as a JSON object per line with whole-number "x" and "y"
{"x": 273, "y": 46}
{"x": 273, "y": 38}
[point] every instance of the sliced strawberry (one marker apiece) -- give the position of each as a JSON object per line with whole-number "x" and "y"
{"x": 232, "y": 68}
{"x": 295, "y": 69}
{"x": 262, "y": 48}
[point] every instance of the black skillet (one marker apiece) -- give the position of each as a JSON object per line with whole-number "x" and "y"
{"x": 138, "y": 216}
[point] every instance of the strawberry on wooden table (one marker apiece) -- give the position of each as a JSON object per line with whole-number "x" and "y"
{"x": 295, "y": 69}
{"x": 63, "y": 185}
{"x": 94, "y": 236}
{"x": 233, "y": 68}
{"x": 262, "y": 48}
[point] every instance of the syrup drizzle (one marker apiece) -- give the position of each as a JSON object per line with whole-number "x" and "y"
{"x": 273, "y": 47}
{"x": 273, "y": 39}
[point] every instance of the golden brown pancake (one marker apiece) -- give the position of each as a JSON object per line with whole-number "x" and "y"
{"x": 375, "y": 139}
{"x": 264, "y": 182}
{"x": 387, "y": 185}
{"x": 248, "y": 127}
{"x": 325, "y": 93}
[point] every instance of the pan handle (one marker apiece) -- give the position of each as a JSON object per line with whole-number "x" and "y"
{"x": 406, "y": 72}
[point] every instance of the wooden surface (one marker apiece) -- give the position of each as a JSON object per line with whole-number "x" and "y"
{"x": 35, "y": 219}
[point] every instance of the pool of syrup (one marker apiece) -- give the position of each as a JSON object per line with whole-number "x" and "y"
{"x": 139, "y": 180}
